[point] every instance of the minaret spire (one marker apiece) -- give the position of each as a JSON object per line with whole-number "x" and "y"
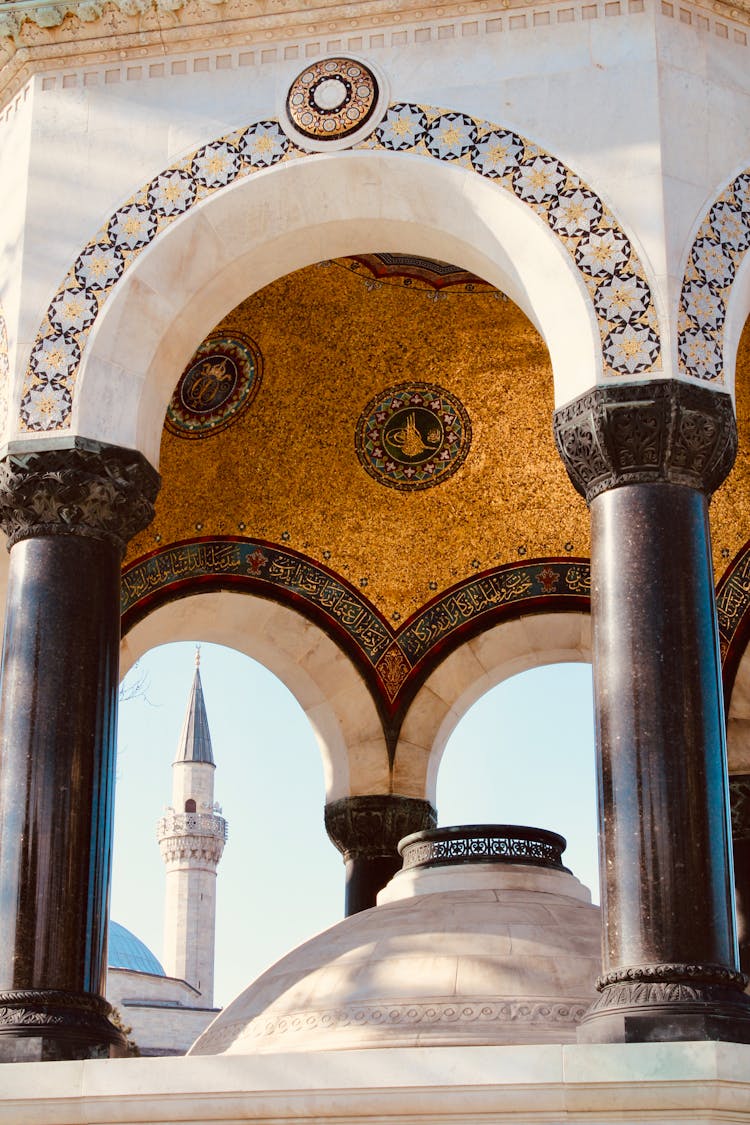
{"x": 191, "y": 835}
{"x": 195, "y": 739}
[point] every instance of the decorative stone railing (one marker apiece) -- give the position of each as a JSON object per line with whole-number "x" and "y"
{"x": 483, "y": 843}
{"x": 192, "y": 824}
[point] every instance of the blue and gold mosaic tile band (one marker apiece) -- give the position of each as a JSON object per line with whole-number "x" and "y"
{"x": 605, "y": 258}
{"x": 714, "y": 260}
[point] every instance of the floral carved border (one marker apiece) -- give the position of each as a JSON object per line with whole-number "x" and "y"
{"x": 603, "y": 255}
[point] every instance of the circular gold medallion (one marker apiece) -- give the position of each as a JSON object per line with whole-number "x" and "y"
{"x": 218, "y": 384}
{"x": 413, "y": 436}
{"x": 332, "y": 98}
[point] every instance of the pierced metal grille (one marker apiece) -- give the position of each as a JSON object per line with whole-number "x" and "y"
{"x": 483, "y": 843}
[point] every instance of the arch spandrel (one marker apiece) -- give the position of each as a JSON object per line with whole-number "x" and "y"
{"x": 526, "y": 222}
{"x": 715, "y": 294}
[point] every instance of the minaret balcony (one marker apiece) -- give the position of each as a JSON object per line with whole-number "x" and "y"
{"x": 192, "y": 824}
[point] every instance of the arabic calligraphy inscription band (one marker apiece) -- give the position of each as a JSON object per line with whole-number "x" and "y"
{"x": 646, "y": 458}
{"x": 68, "y": 512}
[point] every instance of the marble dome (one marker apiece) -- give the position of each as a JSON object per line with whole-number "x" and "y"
{"x": 483, "y": 937}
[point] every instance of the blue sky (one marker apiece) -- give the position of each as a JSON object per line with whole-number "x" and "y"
{"x": 523, "y": 754}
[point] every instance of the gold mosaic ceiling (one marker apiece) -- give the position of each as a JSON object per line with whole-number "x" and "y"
{"x": 332, "y": 337}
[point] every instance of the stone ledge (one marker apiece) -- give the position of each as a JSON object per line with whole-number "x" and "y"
{"x": 668, "y": 1081}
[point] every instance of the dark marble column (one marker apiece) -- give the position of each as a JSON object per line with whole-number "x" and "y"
{"x": 739, "y": 797}
{"x": 68, "y": 512}
{"x": 647, "y": 458}
{"x": 366, "y": 830}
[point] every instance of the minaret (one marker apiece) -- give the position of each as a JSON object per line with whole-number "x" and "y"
{"x": 191, "y": 836}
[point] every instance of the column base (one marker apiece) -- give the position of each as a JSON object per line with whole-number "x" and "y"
{"x": 52, "y": 1025}
{"x": 668, "y": 1003}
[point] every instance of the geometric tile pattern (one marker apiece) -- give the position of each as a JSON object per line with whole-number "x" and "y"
{"x": 4, "y": 373}
{"x": 715, "y": 256}
{"x": 603, "y": 254}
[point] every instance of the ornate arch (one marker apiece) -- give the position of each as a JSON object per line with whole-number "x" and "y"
{"x": 713, "y": 263}
{"x": 604, "y": 257}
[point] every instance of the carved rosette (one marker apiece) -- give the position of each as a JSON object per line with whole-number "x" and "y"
{"x": 74, "y": 1015}
{"x": 644, "y": 433}
{"x": 78, "y": 488}
{"x": 371, "y": 827}
{"x": 739, "y": 800}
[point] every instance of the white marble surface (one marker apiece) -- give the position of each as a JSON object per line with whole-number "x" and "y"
{"x": 481, "y": 953}
{"x": 665, "y": 1083}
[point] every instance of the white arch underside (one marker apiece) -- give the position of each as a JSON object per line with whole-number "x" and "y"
{"x": 262, "y": 227}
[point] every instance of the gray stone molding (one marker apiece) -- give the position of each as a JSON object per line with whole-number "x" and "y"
{"x": 371, "y": 827}
{"x": 461, "y": 1018}
{"x": 660, "y": 430}
{"x": 75, "y": 487}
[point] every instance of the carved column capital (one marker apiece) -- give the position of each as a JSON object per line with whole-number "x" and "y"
{"x": 371, "y": 827}
{"x": 642, "y": 433}
{"x": 77, "y": 487}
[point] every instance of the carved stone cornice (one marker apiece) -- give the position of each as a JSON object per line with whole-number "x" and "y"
{"x": 642, "y": 433}
{"x": 79, "y": 487}
{"x": 371, "y": 827}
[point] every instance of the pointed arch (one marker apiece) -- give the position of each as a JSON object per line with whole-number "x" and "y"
{"x": 432, "y": 181}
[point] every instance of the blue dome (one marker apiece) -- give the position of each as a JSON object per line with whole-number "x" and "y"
{"x": 126, "y": 951}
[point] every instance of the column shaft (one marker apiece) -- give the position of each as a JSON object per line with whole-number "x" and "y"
{"x": 67, "y": 512}
{"x": 647, "y": 458}
{"x": 58, "y": 716}
{"x": 666, "y": 871}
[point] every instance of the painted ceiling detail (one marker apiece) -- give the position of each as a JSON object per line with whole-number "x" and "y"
{"x": 602, "y": 252}
{"x": 413, "y": 436}
{"x": 715, "y": 257}
{"x": 332, "y": 99}
{"x": 217, "y": 385}
{"x": 408, "y": 269}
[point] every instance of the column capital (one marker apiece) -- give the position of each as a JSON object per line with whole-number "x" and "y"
{"x": 640, "y": 433}
{"x": 370, "y": 827}
{"x": 75, "y": 487}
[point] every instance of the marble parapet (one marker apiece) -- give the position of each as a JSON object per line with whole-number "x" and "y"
{"x": 658, "y": 1082}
